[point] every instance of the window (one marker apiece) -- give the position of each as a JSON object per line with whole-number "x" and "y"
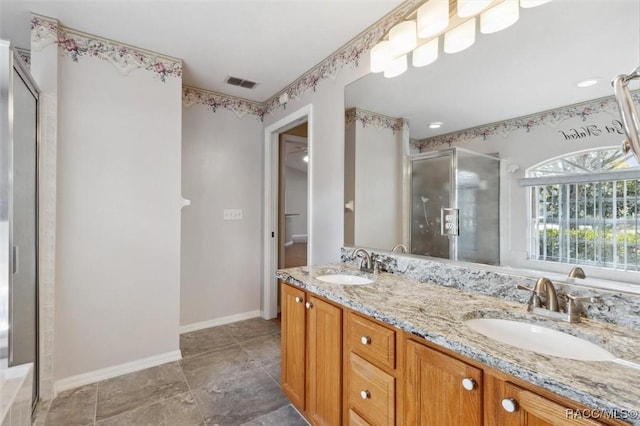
{"x": 584, "y": 209}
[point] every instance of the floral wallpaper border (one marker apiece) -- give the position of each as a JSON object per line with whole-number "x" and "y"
{"x": 75, "y": 44}
{"x": 25, "y": 55}
{"x": 379, "y": 121}
{"x": 213, "y": 100}
{"x": 550, "y": 118}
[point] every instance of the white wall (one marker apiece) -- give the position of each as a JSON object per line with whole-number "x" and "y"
{"x": 377, "y": 168}
{"x": 118, "y": 215}
{"x": 296, "y": 200}
{"x": 222, "y": 169}
{"x": 327, "y": 156}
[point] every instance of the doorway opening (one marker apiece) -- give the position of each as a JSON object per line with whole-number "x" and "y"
{"x": 287, "y": 213}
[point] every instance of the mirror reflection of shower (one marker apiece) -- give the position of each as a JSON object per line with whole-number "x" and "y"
{"x": 425, "y": 200}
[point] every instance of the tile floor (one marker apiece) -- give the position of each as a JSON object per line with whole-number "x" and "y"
{"x": 228, "y": 375}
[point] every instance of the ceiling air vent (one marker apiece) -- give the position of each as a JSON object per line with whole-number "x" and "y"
{"x": 235, "y": 81}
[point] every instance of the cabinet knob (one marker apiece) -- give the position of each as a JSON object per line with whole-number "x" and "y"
{"x": 366, "y": 340}
{"x": 364, "y": 394}
{"x": 510, "y": 405}
{"x": 309, "y": 305}
{"x": 298, "y": 299}
{"x": 468, "y": 383}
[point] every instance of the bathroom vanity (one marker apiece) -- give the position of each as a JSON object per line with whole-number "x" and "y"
{"x": 397, "y": 351}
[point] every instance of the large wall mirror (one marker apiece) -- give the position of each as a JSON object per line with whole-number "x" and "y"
{"x": 514, "y": 94}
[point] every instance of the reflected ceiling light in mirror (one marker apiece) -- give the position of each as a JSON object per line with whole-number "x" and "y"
{"x": 527, "y": 4}
{"x": 402, "y": 38}
{"x": 435, "y": 125}
{"x": 588, "y": 82}
{"x": 425, "y": 54}
{"x": 499, "y": 17}
{"x": 460, "y": 37}
{"x": 305, "y": 158}
{"x": 432, "y": 18}
{"x": 380, "y": 56}
{"x": 396, "y": 67}
{"x": 471, "y": 7}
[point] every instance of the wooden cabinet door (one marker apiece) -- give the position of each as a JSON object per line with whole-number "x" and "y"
{"x": 324, "y": 362}
{"x": 292, "y": 377}
{"x": 529, "y": 408}
{"x": 435, "y": 393}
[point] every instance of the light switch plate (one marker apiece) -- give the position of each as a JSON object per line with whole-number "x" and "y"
{"x": 232, "y": 214}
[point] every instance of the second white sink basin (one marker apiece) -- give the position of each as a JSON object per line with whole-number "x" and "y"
{"x": 344, "y": 279}
{"x": 539, "y": 339}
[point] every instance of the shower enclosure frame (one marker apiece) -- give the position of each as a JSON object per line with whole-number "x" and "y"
{"x": 10, "y": 61}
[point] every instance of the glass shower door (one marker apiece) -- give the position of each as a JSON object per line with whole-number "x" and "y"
{"x": 18, "y": 215}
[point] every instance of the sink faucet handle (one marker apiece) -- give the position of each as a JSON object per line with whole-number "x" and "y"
{"x": 574, "y": 305}
{"x": 534, "y": 300}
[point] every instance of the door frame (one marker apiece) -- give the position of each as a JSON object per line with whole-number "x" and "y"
{"x": 269, "y": 302}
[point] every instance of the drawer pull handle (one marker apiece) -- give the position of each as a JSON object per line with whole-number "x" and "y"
{"x": 364, "y": 394}
{"x": 309, "y": 305}
{"x": 365, "y": 340}
{"x": 468, "y": 383}
{"x": 510, "y": 405}
{"x": 298, "y": 299}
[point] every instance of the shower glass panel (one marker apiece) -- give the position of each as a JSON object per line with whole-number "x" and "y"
{"x": 430, "y": 191}
{"x": 18, "y": 214}
{"x": 469, "y": 184}
{"x": 24, "y": 291}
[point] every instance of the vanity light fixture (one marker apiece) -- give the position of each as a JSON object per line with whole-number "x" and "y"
{"x": 460, "y": 37}
{"x": 588, "y": 82}
{"x": 396, "y": 67}
{"x": 380, "y": 56}
{"x": 527, "y": 4}
{"x": 432, "y": 18}
{"x": 435, "y": 125}
{"x": 402, "y": 38}
{"x": 468, "y": 8}
{"x": 421, "y": 30}
{"x": 499, "y": 17}
{"x": 425, "y": 54}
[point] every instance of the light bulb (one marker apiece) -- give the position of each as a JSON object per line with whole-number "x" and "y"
{"x": 396, "y": 67}
{"x": 461, "y": 37}
{"x": 499, "y": 17}
{"x": 425, "y": 54}
{"x": 433, "y": 17}
{"x": 379, "y": 57}
{"x": 402, "y": 38}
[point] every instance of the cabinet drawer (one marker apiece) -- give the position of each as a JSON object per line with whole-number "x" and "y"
{"x": 371, "y": 392}
{"x": 356, "y": 420}
{"x": 373, "y": 341}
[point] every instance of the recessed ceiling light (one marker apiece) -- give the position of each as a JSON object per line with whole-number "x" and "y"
{"x": 435, "y": 125}
{"x": 588, "y": 82}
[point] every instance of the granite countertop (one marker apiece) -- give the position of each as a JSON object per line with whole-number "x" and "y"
{"x": 437, "y": 314}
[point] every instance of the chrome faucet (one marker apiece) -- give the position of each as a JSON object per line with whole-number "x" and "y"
{"x": 365, "y": 264}
{"x": 401, "y": 247}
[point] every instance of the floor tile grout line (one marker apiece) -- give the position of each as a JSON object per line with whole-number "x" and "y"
{"x": 162, "y": 399}
{"x": 204, "y": 421}
{"x": 210, "y": 350}
{"x": 145, "y": 405}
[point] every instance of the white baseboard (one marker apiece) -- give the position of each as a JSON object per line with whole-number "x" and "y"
{"x": 116, "y": 370}
{"x": 218, "y": 321}
{"x": 299, "y": 238}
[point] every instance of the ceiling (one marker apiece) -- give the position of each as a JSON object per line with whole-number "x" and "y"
{"x": 271, "y": 42}
{"x": 530, "y": 67}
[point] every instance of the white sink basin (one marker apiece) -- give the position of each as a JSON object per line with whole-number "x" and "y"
{"x": 539, "y": 339}
{"x": 344, "y": 279}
